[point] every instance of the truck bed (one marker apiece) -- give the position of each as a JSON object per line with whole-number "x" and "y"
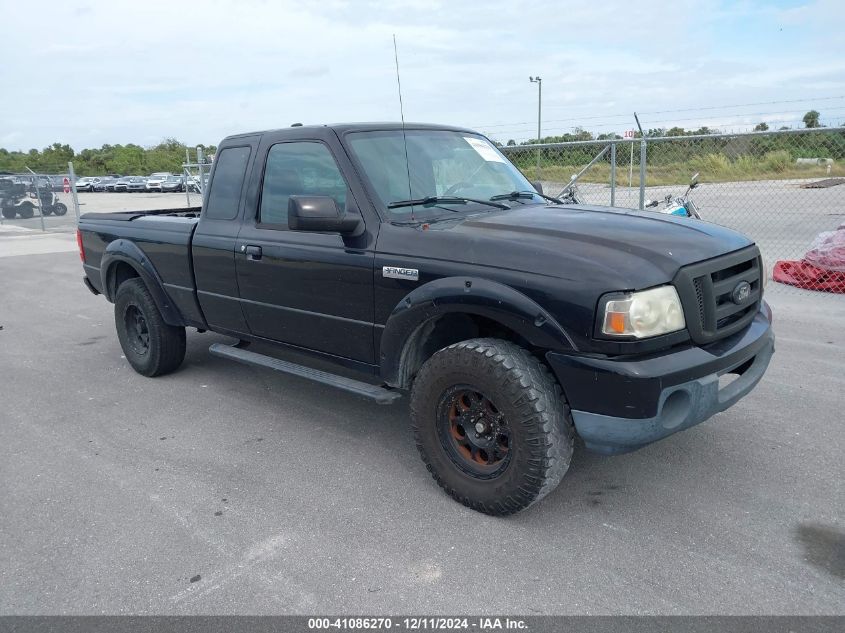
{"x": 162, "y": 241}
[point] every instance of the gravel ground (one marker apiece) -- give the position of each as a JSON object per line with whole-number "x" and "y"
{"x": 228, "y": 489}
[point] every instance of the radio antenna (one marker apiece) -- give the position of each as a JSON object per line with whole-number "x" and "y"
{"x": 402, "y": 115}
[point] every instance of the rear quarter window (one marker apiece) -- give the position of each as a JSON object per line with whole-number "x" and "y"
{"x": 225, "y": 193}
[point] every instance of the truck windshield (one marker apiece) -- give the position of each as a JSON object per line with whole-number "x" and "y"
{"x": 443, "y": 165}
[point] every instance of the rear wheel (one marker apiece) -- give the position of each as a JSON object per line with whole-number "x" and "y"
{"x": 151, "y": 346}
{"x": 491, "y": 425}
{"x": 26, "y": 210}
{"x": 9, "y": 213}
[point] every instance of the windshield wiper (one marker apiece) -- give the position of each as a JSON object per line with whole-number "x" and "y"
{"x": 432, "y": 200}
{"x": 514, "y": 195}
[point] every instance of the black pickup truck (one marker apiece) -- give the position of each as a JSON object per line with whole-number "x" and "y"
{"x": 422, "y": 257}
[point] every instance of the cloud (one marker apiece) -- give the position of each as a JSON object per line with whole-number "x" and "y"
{"x": 129, "y": 72}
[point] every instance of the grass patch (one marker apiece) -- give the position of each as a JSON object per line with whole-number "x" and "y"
{"x": 777, "y": 165}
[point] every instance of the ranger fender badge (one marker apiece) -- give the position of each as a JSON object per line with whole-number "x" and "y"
{"x": 394, "y": 272}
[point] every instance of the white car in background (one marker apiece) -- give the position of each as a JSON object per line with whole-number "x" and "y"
{"x": 154, "y": 181}
{"x": 86, "y": 184}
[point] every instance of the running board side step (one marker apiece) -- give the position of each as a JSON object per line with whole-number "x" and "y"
{"x": 381, "y": 395}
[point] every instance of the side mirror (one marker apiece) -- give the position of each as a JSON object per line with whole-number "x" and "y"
{"x": 320, "y": 214}
{"x": 538, "y": 186}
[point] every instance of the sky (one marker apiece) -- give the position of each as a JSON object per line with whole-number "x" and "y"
{"x": 90, "y": 73}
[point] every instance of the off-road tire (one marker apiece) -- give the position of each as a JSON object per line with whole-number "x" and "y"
{"x": 531, "y": 401}
{"x": 60, "y": 208}
{"x": 165, "y": 349}
{"x": 9, "y": 214}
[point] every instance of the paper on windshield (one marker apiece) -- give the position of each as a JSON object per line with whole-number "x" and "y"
{"x": 484, "y": 149}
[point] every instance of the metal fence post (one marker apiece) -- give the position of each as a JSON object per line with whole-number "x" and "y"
{"x": 185, "y": 175}
{"x": 613, "y": 174}
{"x": 642, "y": 173}
{"x": 73, "y": 192}
{"x": 38, "y": 197}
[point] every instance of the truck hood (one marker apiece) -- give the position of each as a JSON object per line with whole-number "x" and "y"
{"x": 609, "y": 247}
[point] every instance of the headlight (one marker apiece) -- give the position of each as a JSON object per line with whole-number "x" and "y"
{"x": 643, "y": 314}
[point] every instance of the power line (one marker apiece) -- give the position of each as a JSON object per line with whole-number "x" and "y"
{"x": 795, "y": 115}
{"x": 703, "y": 108}
{"x": 744, "y": 105}
{"x": 723, "y": 129}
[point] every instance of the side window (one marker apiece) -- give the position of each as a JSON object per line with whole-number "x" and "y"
{"x": 298, "y": 169}
{"x": 225, "y": 193}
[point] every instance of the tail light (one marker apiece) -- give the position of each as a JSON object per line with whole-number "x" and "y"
{"x": 79, "y": 244}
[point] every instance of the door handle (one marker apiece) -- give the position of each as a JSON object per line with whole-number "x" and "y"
{"x": 253, "y": 253}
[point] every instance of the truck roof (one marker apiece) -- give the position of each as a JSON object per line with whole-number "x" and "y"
{"x": 342, "y": 128}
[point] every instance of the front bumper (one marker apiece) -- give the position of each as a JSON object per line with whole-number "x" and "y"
{"x": 622, "y": 405}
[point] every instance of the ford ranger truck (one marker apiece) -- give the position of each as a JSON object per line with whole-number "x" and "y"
{"x": 423, "y": 260}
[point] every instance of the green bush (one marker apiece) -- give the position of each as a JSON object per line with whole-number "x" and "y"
{"x": 778, "y": 161}
{"x": 711, "y": 163}
{"x": 745, "y": 165}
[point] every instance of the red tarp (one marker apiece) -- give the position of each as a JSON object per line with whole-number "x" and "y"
{"x": 822, "y": 268}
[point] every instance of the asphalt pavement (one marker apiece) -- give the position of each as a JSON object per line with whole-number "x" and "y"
{"x": 226, "y": 489}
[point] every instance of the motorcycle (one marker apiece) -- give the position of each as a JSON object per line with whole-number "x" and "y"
{"x": 569, "y": 194}
{"x": 683, "y": 206}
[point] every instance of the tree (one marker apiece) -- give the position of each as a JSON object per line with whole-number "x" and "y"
{"x": 675, "y": 131}
{"x": 811, "y": 119}
{"x": 581, "y": 134}
{"x": 761, "y": 127}
{"x": 511, "y": 142}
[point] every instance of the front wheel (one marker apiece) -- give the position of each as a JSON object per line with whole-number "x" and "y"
{"x": 491, "y": 425}
{"x": 150, "y": 345}
{"x": 60, "y": 208}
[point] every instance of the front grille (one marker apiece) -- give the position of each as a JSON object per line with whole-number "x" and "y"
{"x": 707, "y": 294}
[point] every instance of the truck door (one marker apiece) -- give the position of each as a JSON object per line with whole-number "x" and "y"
{"x": 213, "y": 245}
{"x": 312, "y": 290}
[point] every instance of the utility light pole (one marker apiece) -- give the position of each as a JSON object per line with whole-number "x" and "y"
{"x": 539, "y": 82}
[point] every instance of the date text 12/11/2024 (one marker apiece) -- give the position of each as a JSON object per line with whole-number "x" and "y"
{"x": 417, "y": 624}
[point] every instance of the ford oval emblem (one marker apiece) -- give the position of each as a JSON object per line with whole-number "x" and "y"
{"x": 741, "y": 292}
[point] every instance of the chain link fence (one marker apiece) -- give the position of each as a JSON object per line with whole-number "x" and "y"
{"x": 35, "y": 201}
{"x": 784, "y": 189}
{"x": 53, "y": 202}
